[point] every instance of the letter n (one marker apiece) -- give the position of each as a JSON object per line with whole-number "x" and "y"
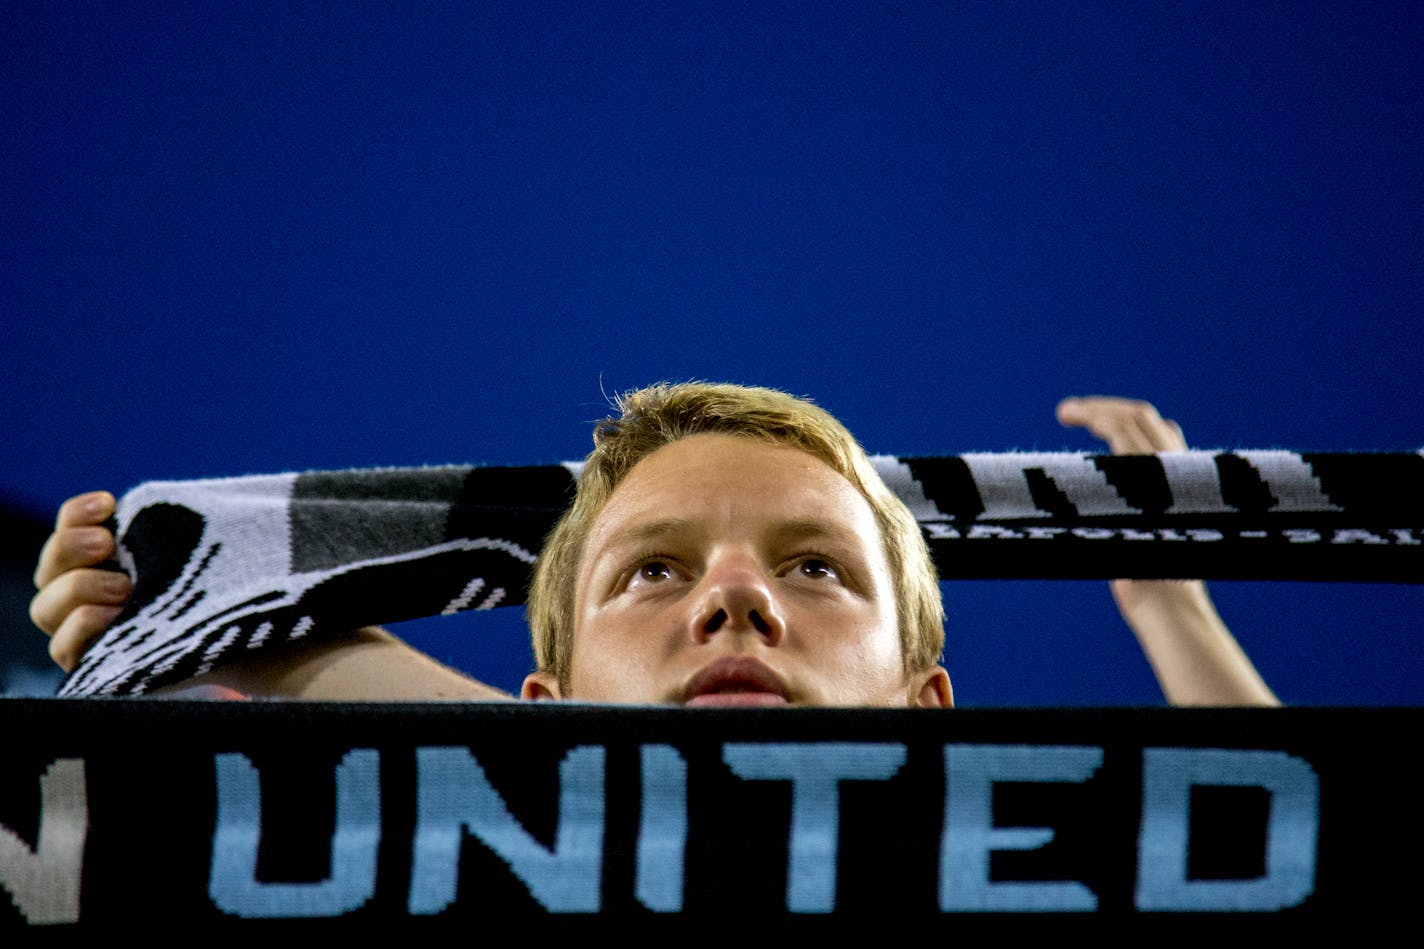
{"x": 44, "y": 882}
{"x": 454, "y": 795}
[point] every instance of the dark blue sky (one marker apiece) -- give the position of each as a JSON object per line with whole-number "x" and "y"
{"x": 257, "y": 237}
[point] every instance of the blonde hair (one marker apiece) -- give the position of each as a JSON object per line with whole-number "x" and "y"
{"x": 655, "y": 416}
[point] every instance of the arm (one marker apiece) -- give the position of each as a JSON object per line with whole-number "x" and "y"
{"x": 363, "y": 665}
{"x": 77, "y": 600}
{"x": 1195, "y": 657}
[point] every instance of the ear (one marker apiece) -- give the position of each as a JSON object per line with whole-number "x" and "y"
{"x": 931, "y": 689}
{"x": 540, "y": 686}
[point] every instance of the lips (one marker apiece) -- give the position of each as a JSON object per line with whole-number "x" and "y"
{"x": 735, "y": 682}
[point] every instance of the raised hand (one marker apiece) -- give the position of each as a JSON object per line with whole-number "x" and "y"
{"x": 78, "y": 599}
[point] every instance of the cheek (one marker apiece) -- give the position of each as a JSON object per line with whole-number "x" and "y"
{"x": 589, "y": 676}
{"x": 591, "y": 647}
{"x": 866, "y": 639}
{"x": 612, "y": 657}
{"x": 879, "y": 654}
{"x": 883, "y": 647}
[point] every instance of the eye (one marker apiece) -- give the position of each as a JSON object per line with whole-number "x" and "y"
{"x": 817, "y": 569}
{"x": 654, "y": 571}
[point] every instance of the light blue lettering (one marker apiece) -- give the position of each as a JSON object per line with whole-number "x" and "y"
{"x": 453, "y": 795}
{"x": 232, "y": 883}
{"x": 662, "y": 829}
{"x": 1291, "y": 829}
{"x": 969, "y": 834}
{"x": 815, "y": 771}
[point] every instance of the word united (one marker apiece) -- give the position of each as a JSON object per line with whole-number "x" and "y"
{"x": 274, "y": 815}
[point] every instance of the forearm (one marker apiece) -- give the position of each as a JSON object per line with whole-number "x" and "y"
{"x": 364, "y": 665}
{"x": 1196, "y": 658}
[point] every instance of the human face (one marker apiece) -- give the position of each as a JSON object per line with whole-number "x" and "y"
{"x": 727, "y": 571}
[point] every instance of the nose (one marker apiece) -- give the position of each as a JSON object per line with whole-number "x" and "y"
{"x": 737, "y": 595}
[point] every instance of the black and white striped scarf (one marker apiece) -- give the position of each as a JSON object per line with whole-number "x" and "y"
{"x": 225, "y": 566}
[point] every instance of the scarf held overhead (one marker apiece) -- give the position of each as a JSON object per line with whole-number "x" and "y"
{"x": 222, "y": 567}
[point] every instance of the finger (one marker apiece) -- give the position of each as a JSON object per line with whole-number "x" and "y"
{"x": 51, "y": 607}
{"x": 1154, "y": 433}
{"x": 71, "y": 547}
{"x": 1072, "y": 411}
{"x": 1127, "y": 425}
{"x": 96, "y": 507}
{"x": 78, "y": 632}
{"x": 1180, "y": 440}
{"x": 1110, "y": 419}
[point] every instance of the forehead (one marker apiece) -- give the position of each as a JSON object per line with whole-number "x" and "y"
{"x": 731, "y": 479}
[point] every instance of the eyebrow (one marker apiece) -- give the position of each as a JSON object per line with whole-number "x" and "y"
{"x": 811, "y": 529}
{"x": 783, "y": 531}
{"x": 653, "y": 530}
{"x": 843, "y": 540}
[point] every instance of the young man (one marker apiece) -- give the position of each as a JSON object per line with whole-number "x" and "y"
{"x": 728, "y": 545}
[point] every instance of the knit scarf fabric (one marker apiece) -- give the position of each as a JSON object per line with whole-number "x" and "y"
{"x": 228, "y": 566}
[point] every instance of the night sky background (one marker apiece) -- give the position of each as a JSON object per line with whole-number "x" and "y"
{"x": 246, "y": 238}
